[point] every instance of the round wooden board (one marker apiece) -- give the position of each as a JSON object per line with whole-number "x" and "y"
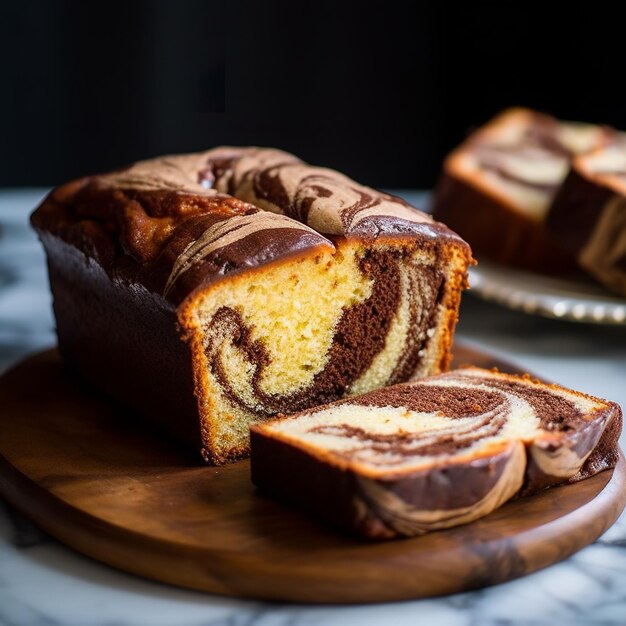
{"x": 81, "y": 468}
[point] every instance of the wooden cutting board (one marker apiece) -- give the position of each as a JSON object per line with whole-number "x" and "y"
{"x": 80, "y": 467}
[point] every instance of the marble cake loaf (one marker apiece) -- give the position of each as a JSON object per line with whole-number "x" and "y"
{"x": 588, "y": 215}
{"x": 496, "y": 188}
{"x": 433, "y": 453}
{"x": 213, "y": 290}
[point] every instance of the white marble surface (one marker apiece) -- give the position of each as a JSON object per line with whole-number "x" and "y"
{"x": 42, "y": 583}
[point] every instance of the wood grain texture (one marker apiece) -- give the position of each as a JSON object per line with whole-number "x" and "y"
{"x": 83, "y": 470}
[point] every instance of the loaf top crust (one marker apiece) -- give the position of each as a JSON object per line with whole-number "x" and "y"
{"x": 179, "y": 223}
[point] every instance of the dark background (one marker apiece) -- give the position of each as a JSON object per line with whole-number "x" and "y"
{"x": 380, "y": 90}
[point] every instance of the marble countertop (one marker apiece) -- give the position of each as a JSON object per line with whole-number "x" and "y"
{"x": 44, "y": 583}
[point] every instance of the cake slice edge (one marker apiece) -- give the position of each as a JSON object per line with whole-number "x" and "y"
{"x": 383, "y": 505}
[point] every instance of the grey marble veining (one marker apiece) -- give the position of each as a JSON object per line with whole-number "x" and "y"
{"x": 42, "y": 583}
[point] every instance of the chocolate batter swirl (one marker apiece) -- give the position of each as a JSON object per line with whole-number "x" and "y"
{"x": 324, "y": 199}
{"x": 483, "y": 406}
{"x": 360, "y": 334}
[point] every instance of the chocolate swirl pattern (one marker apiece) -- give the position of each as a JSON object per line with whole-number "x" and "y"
{"x": 326, "y": 200}
{"x": 443, "y": 450}
{"x": 276, "y": 286}
{"x": 226, "y": 233}
{"x": 376, "y": 329}
{"x": 177, "y": 173}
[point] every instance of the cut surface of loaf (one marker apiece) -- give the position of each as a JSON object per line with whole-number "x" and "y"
{"x": 497, "y": 187}
{"x": 214, "y": 290}
{"x": 433, "y": 453}
{"x": 588, "y": 216}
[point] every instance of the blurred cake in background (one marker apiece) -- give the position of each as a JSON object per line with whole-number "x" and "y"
{"x": 496, "y": 189}
{"x": 588, "y": 215}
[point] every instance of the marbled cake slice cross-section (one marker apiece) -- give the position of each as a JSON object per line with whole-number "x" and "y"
{"x": 433, "y": 453}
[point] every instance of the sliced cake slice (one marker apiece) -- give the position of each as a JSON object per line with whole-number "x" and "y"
{"x": 588, "y": 216}
{"x": 433, "y": 453}
{"x": 496, "y": 188}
